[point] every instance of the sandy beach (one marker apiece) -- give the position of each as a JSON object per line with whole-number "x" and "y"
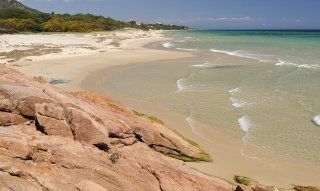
{"x": 69, "y": 66}
{"x": 80, "y": 66}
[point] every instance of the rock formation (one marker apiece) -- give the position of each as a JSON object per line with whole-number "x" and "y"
{"x": 53, "y": 140}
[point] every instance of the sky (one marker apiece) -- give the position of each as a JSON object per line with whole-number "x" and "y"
{"x": 202, "y": 14}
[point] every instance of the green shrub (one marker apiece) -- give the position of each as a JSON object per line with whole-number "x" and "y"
{"x": 19, "y": 24}
{"x": 243, "y": 180}
{"x": 25, "y": 20}
{"x": 153, "y": 119}
{"x": 54, "y": 25}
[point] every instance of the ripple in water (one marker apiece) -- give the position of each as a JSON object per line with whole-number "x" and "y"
{"x": 306, "y": 66}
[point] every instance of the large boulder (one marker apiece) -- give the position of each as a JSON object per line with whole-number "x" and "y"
{"x": 85, "y": 128}
{"x": 7, "y": 119}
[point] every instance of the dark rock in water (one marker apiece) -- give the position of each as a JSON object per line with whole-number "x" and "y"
{"x": 59, "y": 81}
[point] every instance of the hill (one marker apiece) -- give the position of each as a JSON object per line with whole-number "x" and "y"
{"x": 14, "y": 4}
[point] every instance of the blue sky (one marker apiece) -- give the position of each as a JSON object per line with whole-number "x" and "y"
{"x": 204, "y": 14}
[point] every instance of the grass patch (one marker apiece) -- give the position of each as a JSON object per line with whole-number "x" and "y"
{"x": 153, "y": 119}
{"x": 244, "y": 180}
{"x": 203, "y": 157}
{"x": 305, "y": 188}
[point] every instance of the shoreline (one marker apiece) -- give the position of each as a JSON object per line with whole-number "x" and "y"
{"x": 82, "y": 65}
{"x": 224, "y": 149}
{"x": 83, "y": 74}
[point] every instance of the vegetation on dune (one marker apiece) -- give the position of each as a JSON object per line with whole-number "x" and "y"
{"x": 27, "y": 21}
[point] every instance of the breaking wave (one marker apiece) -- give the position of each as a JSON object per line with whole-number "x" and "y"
{"x": 235, "y": 90}
{"x": 205, "y": 65}
{"x": 306, "y": 66}
{"x": 187, "y": 49}
{"x": 240, "y": 54}
{"x": 244, "y": 123}
{"x": 168, "y": 45}
{"x": 316, "y": 120}
{"x": 237, "y": 103}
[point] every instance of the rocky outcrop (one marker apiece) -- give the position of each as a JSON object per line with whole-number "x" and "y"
{"x": 53, "y": 140}
{"x": 249, "y": 184}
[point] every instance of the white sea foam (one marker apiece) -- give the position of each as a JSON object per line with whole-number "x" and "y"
{"x": 184, "y": 85}
{"x": 168, "y": 45}
{"x": 187, "y": 49}
{"x": 205, "y": 65}
{"x": 235, "y": 90}
{"x": 316, "y": 120}
{"x": 284, "y": 63}
{"x": 237, "y": 103}
{"x": 181, "y": 84}
{"x": 222, "y": 51}
{"x": 306, "y": 66}
{"x": 244, "y": 123}
{"x": 240, "y": 54}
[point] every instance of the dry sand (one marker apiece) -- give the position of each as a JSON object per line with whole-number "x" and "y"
{"x": 68, "y": 71}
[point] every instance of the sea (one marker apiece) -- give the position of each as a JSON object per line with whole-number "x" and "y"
{"x": 260, "y": 87}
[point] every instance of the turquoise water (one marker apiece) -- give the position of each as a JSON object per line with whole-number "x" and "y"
{"x": 300, "y": 47}
{"x": 272, "y": 79}
{"x": 261, "y": 87}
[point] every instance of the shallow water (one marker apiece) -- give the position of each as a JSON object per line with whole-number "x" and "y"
{"x": 261, "y": 87}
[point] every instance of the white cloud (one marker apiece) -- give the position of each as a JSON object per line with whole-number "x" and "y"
{"x": 217, "y": 19}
